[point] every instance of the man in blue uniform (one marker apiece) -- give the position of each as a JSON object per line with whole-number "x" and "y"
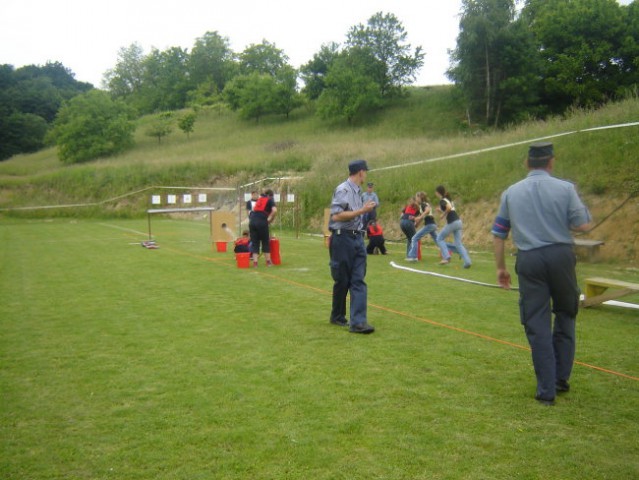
{"x": 541, "y": 211}
{"x": 347, "y": 250}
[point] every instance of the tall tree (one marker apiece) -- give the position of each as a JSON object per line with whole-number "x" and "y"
{"x": 212, "y": 61}
{"x": 384, "y": 37}
{"x": 165, "y": 80}
{"x": 350, "y": 88}
{"x": 489, "y": 52}
{"x": 127, "y": 77}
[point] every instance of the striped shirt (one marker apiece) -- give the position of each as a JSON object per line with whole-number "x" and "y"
{"x": 346, "y": 198}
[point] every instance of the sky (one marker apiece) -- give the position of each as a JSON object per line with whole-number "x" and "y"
{"x": 86, "y": 35}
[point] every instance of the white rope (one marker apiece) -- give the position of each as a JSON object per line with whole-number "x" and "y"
{"x": 499, "y": 147}
{"x": 440, "y": 275}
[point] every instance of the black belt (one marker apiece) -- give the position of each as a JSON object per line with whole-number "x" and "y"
{"x": 341, "y": 231}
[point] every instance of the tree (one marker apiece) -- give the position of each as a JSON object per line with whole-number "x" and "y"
{"x": 314, "y": 72}
{"x": 92, "y": 125}
{"x": 30, "y": 98}
{"x": 165, "y": 80}
{"x": 384, "y": 36}
{"x": 126, "y": 78}
{"x": 350, "y": 89}
{"x": 21, "y": 133}
{"x": 251, "y": 95}
{"x": 264, "y": 58}
{"x": 161, "y": 126}
{"x": 286, "y": 98}
{"x": 212, "y": 61}
{"x": 581, "y": 43}
{"x": 186, "y": 123}
{"x": 494, "y": 62}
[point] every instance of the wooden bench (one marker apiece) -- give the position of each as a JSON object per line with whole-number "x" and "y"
{"x": 591, "y": 246}
{"x": 596, "y": 290}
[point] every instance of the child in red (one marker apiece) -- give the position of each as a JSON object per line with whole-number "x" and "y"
{"x": 375, "y": 238}
{"x": 242, "y": 243}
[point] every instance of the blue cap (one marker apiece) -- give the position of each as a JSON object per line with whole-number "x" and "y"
{"x": 540, "y": 151}
{"x": 357, "y": 165}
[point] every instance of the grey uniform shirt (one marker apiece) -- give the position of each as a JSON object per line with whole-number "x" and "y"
{"x": 540, "y": 210}
{"x": 346, "y": 198}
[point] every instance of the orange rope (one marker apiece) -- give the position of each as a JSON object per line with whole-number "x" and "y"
{"x": 412, "y": 316}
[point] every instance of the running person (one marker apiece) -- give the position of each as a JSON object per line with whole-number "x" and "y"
{"x": 453, "y": 225}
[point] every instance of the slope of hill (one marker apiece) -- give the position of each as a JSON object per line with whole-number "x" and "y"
{"x": 415, "y": 144}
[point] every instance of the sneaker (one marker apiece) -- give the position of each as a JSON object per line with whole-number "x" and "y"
{"x": 362, "y": 328}
{"x": 411, "y": 259}
{"x": 255, "y": 264}
{"x": 340, "y": 322}
{"x": 269, "y": 263}
{"x": 467, "y": 265}
{"x": 445, "y": 262}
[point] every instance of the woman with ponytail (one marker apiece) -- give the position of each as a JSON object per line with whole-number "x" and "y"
{"x": 453, "y": 225}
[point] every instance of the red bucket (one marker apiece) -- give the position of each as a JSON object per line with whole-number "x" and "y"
{"x": 275, "y": 251}
{"x": 220, "y": 246}
{"x": 243, "y": 260}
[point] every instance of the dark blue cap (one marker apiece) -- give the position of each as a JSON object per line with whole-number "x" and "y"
{"x": 540, "y": 151}
{"x": 357, "y": 165}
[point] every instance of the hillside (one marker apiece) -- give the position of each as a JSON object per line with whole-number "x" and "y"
{"x": 402, "y": 144}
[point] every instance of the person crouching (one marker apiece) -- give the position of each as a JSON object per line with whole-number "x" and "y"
{"x": 375, "y": 235}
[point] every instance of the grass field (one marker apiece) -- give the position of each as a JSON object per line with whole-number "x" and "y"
{"x": 118, "y": 362}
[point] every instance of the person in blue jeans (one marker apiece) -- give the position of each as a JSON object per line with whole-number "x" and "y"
{"x": 430, "y": 226}
{"x": 453, "y": 225}
{"x": 407, "y": 221}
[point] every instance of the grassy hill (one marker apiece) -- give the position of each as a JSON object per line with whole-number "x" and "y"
{"x": 406, "y": 144}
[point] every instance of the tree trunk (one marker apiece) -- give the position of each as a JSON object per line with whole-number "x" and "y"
{"x": 487, "y": 83}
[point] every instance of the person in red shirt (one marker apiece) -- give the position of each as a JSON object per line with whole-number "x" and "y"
{"x": 375, "y": 238}
{"x": 407, "y": 221}
{"x": 242, "y": 243}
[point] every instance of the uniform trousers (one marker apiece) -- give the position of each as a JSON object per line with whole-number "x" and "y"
{"x": 548, "y": 285}
{"x": 348, "y": 269}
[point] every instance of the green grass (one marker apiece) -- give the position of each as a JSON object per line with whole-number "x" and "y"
{"x": 122, "y": 362}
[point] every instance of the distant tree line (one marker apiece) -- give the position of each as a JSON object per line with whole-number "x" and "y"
{"x": 374, "y": 64}
{"x": 508, "y": 64}
{"x": 30, "y": 98}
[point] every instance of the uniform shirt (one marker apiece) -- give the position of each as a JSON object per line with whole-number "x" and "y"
{"x": 368, "y": 197}
{"x": 540, "y": 210}
{"x": 346, "y": 198}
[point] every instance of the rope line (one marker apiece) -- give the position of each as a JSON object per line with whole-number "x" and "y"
{"x": 224, "y": 262}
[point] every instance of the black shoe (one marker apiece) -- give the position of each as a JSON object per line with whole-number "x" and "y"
{"x": 362, "y": 328}
{"x": 544, "y": 401}
{"x": 562, "y": 386}
{"x": 340, "y": 322}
